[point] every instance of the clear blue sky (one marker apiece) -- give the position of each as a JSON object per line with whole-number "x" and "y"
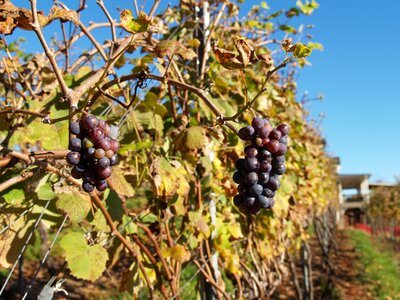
{"x": 358, "y": 73}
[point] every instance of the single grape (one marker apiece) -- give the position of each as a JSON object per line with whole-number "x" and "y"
{"x": 273, "y": 183}
{"x": 90, "y": 121}
{"x": 237, "y": 177}
{"x": 263, "y": 201}
{"x": 283, "y": 128}
{"x": 76, "y": 172}
{"x": 268, "y": 193}
{"x": 249, "y": 201}
{"x": 107, "y": 130}
{"x": 238, "y": 200}
{"x": 101, "y": 185}
{"x": 114, "y": 160}
{"x": 263, "y": 132}
{"x": 275, "y": 134}
{"x": 104, "y": 144}
{"x": 242, "y": 189}
{"x": 99, "y": 153}
{"x": 75, "y": 128}
{"x": 109, "y": 153}
{"x": 73, "y": 158}
{"x": 91, "y": 151}
{"x": 256, "y": 189}
{"x": 263, "y": 178}
{"x": 239, "y": 164}
{"x": 250, "y": 151}
{"x": 279, "y": 169}
{"x": 283, "y": 139}
{"x": 104, "y": 173}
{"x": 272, "y": 146}
{"x": 243, "y": 134}
{"x": 251, "y": 164}
{"x": 257, "y": 123}
{"x": 264, "y": 154}
{"x": 114, "y": 145}
{"x": 89, "y": 176}
{"x": 102, "y": 124}
{"x": 282, "y": 149}
{"x": 257, "y": 142}
{"x": 87, "y": 143}
{"x": 271, "y": 202}
{"x": 265, "y": 166}
{"x": 75, "y": 144}
{"x": 279, "y": 159}
{"x": 255, "y": 209}
{"x": 87, "y": 187}
{"x": 103, "y": 162}
{"x": 264, "y": 141}
{"x": 251, "y": 178}
{"x": 97, "y": 134}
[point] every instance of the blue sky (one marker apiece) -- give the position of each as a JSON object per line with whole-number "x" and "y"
{"x": 358, "y": 73}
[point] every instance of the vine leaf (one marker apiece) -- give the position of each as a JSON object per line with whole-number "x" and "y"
{"x": 85, "y": 261}
{"x": 132, "y": 25}
{"x": 120, "y": 184}
{"x": 75, "y": 204}
{"x": 64, "y": 15}
{"x": 177, "y": 252}
{"x": 301, "y": 50}
{"x": 191, "y": 139}
{"x": 170, "y": 47}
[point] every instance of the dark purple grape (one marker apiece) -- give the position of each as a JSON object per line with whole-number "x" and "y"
{"x": 271, "y": 202}
{"x": 257, "y": 123}
{"x": 97, "y": 134}
{"x": 251, "y": 178}
{"x": 268, "y": 193}
{"x": 256, "y": 189}
{"x": 101, "y": 185}
{"x": 90, "y": 122}
{"x": 279, "y": 169}
{"x": 263, "y": 132}
{"x": 75, "y": 128}
{"x": 283, "y": 128}
{"x": 99, "y": 153}
{"x": 104, "y": 173}
{"x": 264, "y": 154}
{"x": 104, "y": 144}
{"x": 242, "y": 189}
{"x": 283, "y": 139}
{"x": 282, "y": 149}
{"x": 263, "y": 201}
{"x": 88, "y": 187}
{"x": 263, "y": 178}
{"x": 76, "y": 172}
{"x": 237, "y": 177}
{"x": 251, "y": 164}
{"x": 272, "y": 146}
{"x": 114, "y": 160}
{"x": 114, "y": 145}
{"x": 249, "y": 201}
{"x": 279, "y": 159}
{"x": 91, "y": 151}
{"x": 87, "y": 143}
{"x": 265, "y": 166}
{"x": 103, "y": 162}
{"x": 255, "y": 209}
{"x": 250, "y": 151}
{"x": 246, "y": 133}
{"x": 273, "y": 183}
{"x": 239, "y": 164}
{"x": 75, "y": 144}
{"x": 238, "y": 200}
{"x": 89, "y": 176}
{"x": 73, "y": 158}
{"x": 275, "y": 135}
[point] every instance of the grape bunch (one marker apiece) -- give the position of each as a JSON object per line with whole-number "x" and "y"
{"x": 93, "y": 151}
{"x": 257, "y": 173}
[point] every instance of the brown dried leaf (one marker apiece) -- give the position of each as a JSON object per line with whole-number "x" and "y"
{"x": 170, "y": 47}
{"x": 65, "y": 15}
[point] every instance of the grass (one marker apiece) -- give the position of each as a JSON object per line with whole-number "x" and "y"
{"x": 380, "y": 266}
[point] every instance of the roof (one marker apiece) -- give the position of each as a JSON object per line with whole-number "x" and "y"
{"x": 381, "y": 184}
{"x": 350, "y": 181}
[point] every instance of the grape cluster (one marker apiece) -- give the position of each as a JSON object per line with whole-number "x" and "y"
{"x": 93, "y": 151}
{"x": 257, "y": 173}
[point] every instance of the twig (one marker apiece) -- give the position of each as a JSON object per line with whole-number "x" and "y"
{"x": 110, "y": 19}
{"x": 14, "y": 180}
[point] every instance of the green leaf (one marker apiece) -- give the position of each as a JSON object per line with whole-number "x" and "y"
{"x": 301, "y": 50}
{"x": 120, "y": 184}
{"x": 114, "y": 205}
{"x": 129, "y": 225}
{"x": 146, "y": 144}
{"x": 191, "y": 139}
{"x": 14, "y": 196}
{"x": 132, "y": 25}
{"x": 75, "y": 204}
{"x": 264, "y": 5}
{"x": 85, "y": 261}
{"x": 308, "y": 7}
{"x": 99, "y": 222}
{"x": 178, "y": 252}
{"x": 288, "y": 28}
{"x": 315, "y": 46}
{"x": 44, "y": 189}
{"x": 151, "y": 121}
